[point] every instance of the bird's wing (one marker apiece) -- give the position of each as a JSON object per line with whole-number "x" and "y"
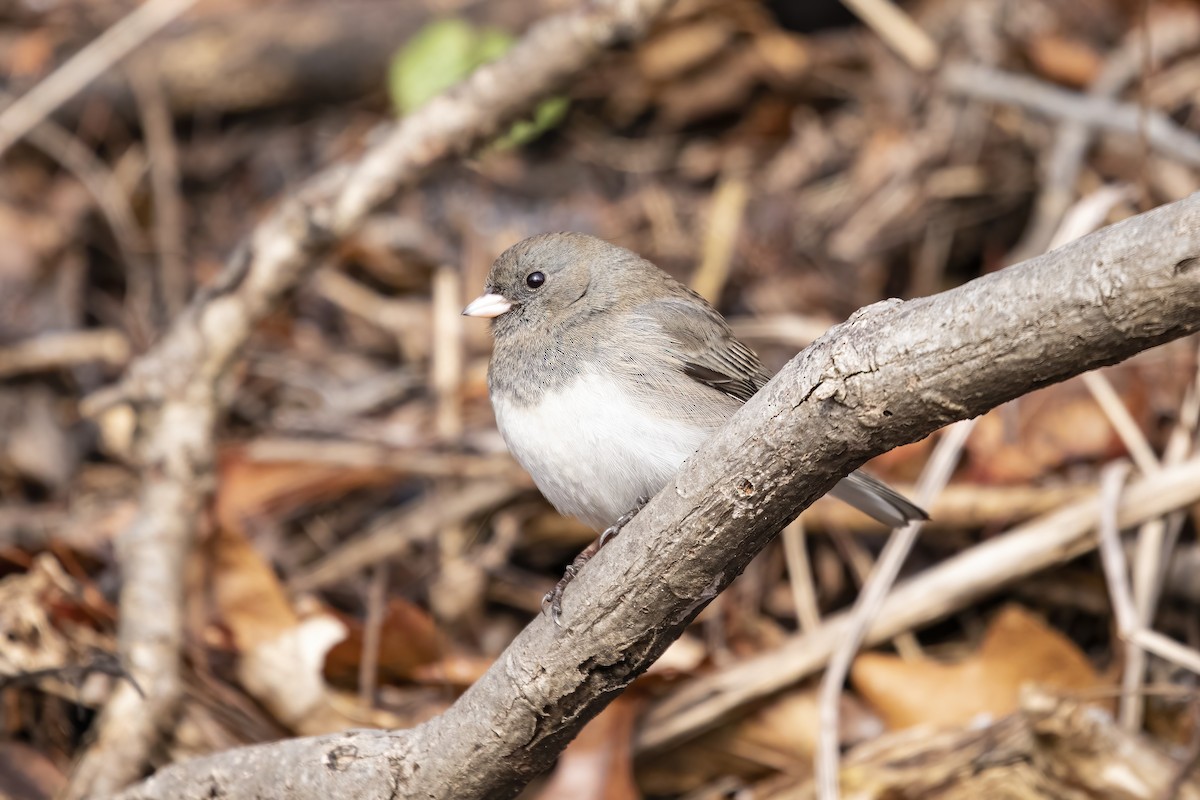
{"x": 705, "y": 347}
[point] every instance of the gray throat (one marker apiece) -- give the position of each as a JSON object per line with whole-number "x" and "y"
{"x": 526, "y": 364}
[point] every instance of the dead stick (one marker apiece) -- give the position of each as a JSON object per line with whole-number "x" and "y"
{"x": 936, "y": 593}
{"x": 173, "y": 388}
{"x": 891, "y": 374}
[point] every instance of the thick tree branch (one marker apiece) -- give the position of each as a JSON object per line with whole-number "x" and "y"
{"x": 891, "y": 374}
{"x": 168, "y": 401}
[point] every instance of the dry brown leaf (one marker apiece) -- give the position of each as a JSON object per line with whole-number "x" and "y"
{"x": 408, "y": 641}
{"x": 1017, "y": 649}
{"x": 454, "y": 670}
{"x": 785, "y": 54}
{"x": 677, "y": 50}
{"x": 778, "y": 737}
{"x": 282, "y": 656}
{"x": 1065, "y": 59}
{"x": 32, "y": 54}
{"x": 1054, "y": 748}
{"x": 248, "y": 598}
{"x": 46, "y": 626}
{"x": 248, "y": 489}
{"x": 1040, "y": 432}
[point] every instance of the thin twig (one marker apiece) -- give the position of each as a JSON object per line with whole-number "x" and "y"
{"x": 804, "y": 594}
{"x": 1112, "y": 555}
{"x": 174, "y": 385}
{"x": 163, "y": 156}
{"x": 1155, "y": 537}
{"x": 898, "y": 30}
{"x": 990, "y": 85}
{"x": 85, "y": 66}
{"x": 1055, "y": 538}
{"x": 1116, "y": 574}
{"x": 725, "y": 211}
{"x": 50, "y": 351}
{"x": 368, "y": 665}
{"x": 1168, "y": 649}
{"x": 1090, "y": 213}
{"x": 447, "y": 368}
{"x": 870, "y": 602}
{"x": 1122, "y": 421}
{"x": 861, "y": 563}
{"x": 94, "y": 175}
{"x": 1172, "y": 31}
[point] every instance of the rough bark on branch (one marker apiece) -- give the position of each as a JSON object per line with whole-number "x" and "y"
{"x": 169, "y": 397}
{"x": 893, "y": 373}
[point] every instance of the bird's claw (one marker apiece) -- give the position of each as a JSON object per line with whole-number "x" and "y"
{"x": 552, "y": 601}
{"x": 552, "y": 605}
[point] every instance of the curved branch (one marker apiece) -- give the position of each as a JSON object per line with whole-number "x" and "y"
{"x": 893, "y": 373}
{"x": 169, "y": 396}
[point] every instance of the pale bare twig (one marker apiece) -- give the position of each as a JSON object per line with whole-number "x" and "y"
{"x": 50, "y": 351}
{"x": 95, "y": 176}
{"x": 448, "y": 356}
{"x": 368, "y": 665}
{"x": 1112, "y": 554}
{"x": 870, "y": 602}
{"x": 898, "y": 31}
{"x": 1172, "y": 31}
{"x": 1090, "y": 213}
{"x": 1167, "y": 649}
{"x": 1116, "y": 573}
{"x": 85, "y": 66}
{"x": 725, "y": 212}
{"x": 1123, "y": 423}
{"x": 1155, "y": 537}
{"x": 892, "y": 373}
{"x": 1054, "y": 538}
{"x": 174, "y": 386}
{"x": 169, "y": 238}
{"x": 990, "y": 85}
{"x": 804, "y": 594}
{"x": 861, "y": 563}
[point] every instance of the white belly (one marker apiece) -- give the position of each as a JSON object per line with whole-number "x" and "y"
{"x": 591, "y": 451}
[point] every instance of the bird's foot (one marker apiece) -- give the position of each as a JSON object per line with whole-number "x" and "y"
{"x": 552, "y": 602}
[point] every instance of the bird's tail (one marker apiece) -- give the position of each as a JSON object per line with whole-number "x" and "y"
{"x": 877, "y": 500}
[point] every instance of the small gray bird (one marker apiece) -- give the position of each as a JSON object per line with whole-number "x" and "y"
{"x": 607, "y": 374}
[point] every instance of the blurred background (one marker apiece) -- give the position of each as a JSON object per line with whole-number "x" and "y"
{"x": 791, "y": 160}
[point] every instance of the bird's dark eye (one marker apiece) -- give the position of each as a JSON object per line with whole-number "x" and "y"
{"x": 535, "y": 279}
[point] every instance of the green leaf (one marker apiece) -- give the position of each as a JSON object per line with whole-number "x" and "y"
{"x": 444, "y": 52}
{"x": 547, "y": 116}
{"x": 437, "y": 57}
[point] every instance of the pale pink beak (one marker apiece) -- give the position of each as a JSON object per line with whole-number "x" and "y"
{"x": 487, "y": 306}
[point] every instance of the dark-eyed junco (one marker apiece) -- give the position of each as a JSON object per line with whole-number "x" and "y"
{"x": 607, "y": 373}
